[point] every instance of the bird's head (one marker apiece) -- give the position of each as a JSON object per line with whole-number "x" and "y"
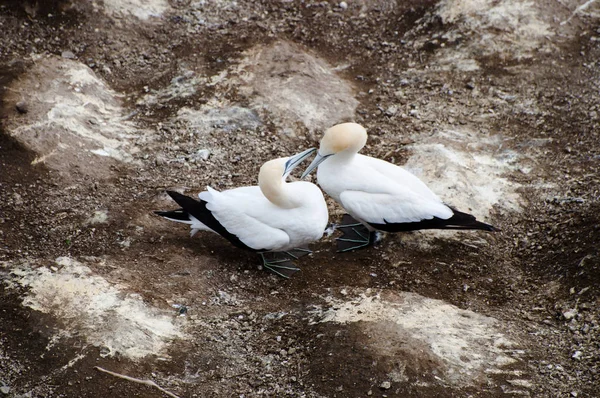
{"x": 341, "y": 138}
{"x": 274, "y": 172}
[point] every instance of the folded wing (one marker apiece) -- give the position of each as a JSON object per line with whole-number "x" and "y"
{"x": 225, "y": 214}
{"x": 244, "y": 212}
{"x": 400, "y": 207}
{"x": 400, "y": 176}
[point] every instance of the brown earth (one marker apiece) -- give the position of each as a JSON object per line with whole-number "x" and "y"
{"x": 249, "y": 333}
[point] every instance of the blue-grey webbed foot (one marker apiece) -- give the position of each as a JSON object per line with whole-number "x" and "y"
{"x": 355, "y": 235}
{"x": 280, "y": 263}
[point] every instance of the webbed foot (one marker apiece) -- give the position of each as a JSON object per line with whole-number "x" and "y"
{"x": 280, "y": 263}
{"x": 355, "y": 235}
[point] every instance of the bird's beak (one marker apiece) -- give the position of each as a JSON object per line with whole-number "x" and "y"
{"x": 314, "y": 164}
{"x": 295, "y": 160}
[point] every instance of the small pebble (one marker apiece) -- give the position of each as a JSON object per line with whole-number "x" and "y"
{"x": 22, "y": 107}
{"x": 67, "y": 54}
{"x": 203, "y": 154}
{"x": 570, "y": 314}
{"x": 386, "y": 385}
{"x": 343, "y": 5}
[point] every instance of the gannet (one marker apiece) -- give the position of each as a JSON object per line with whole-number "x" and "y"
{"x": 273, "y": 217}
{"x": 378, "y": 195}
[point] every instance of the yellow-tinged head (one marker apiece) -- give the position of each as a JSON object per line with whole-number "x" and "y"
{"x": 272, "y": 176}
{"x": 342, "y": 138}
{"x": 350, "y": 137}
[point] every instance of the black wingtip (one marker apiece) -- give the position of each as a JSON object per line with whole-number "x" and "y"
{"x": 483, "y": 226}
{"x": 175, "y": 215}
{"x": 459, "y": 221}
{"x": 175, "y": 195}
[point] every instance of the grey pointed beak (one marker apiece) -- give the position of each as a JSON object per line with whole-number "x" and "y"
{"x": 314, "y": 164}
{"x": 294, "y": 161}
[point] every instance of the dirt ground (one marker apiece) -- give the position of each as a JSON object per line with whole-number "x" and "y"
{"x": 105, "y": 104}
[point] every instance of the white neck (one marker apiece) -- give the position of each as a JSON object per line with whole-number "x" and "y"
{"x": 343, "y": 157}
{"x": 278, "y": 193}
{"x": 272, "y": 184}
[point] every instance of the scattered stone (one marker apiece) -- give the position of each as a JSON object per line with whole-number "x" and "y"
{"x": 470, "y": 85}
{"x": 521, "y": 383}
{"x": 67, "y": 54}
{"x": 22, "y": 107}
{"x": 160, "y": 160}
{"x": 99, "y": 217}
{"x": 399, "y": 94}
{"x": 391, "y": 111}
{"x": 585, "y": 289}
{"x": 203, "y": 154}
{"x": 386, "y": 385}
{"x": 5, "y": 389}
{"x": 343, "y": 5}
{"x": 577, "y": 354}
{"x": 570, "y": 314}
{"x": 17, "y": 199}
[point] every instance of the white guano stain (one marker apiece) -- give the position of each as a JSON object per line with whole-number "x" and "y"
{"x": 87, "y": 305}
{"x": 467, "y": 170}
{"x": 469, "y": 344}
{"x": 141, "y": 9}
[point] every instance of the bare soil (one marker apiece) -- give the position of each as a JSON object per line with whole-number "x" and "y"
{"x": 249, "y": 333}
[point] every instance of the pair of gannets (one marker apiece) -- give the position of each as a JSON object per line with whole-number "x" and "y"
{"x": 276, "y": 216}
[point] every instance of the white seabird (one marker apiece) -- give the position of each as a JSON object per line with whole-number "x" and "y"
{"x": 275, "y": 216}
{"x": 377, "y": 194}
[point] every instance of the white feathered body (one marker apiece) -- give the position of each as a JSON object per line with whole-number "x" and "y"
{"x": 375, "y": 191}
{"x": 261, "y": 225}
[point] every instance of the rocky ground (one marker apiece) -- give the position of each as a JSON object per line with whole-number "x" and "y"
{"x": 105, "y": 104}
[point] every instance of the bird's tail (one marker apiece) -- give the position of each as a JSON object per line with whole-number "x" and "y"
{"x": 199, "y": 217}
{"x": 190, "y": 208}
{"x": 460, "y": 220}
{"x": 178, "y": 215}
